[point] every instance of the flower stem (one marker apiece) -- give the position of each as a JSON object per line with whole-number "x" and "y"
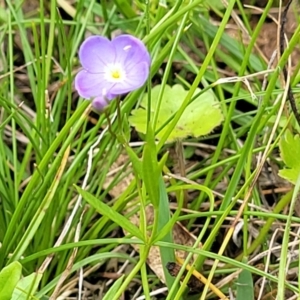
{"x": 119, "y": 113}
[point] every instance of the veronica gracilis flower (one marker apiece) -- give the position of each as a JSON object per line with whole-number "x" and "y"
{"x": 111, "y": 68}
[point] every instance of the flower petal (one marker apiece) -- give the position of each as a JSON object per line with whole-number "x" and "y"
{"x": 95, "y": 53}
{"x": 89, "y": 85}
{"x": 130, "y": 50}
{"x": 135, "y": 78}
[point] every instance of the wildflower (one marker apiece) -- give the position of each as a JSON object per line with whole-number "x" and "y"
{"x": 111, "y": 68}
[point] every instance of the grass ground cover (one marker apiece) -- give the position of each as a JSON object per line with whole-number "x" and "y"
{"x": 185, "y": 186}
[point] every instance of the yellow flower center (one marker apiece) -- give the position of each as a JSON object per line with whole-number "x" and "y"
{"x": 115, "y": 74}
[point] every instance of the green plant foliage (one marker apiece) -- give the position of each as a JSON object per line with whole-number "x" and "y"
{"x": 108, "y": 212}
{"x": 9, "y": 277}
{"x": 217, "y": 4}
{"x": 150, "y": 169}
{"x": 245, "y": 289}
{"x": 200, "y": 117}
{"x": 42, "y": 118}
{"x": 26, "y": 287}
{"x": 112, "y": 291}
{"x": 290, "y": 152}
{"x": 125, "y": 8}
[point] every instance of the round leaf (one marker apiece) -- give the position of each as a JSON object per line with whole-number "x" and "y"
{"x": 199, "y": 118}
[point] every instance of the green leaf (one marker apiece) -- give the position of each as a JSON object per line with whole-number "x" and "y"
{"x": 245, "y": 290}
{"x": 112, "y": 291}
{"x": 200, "y": 117}
{"x": 126, "y": 129}
{"x": 125, "y": 8}
{"x": 167, "y": 254}
{"x": 150, "y": 168}
{"x": 289, "y": 146}
{"x": 217, "y": 4}
{"x": 108, "y": 212}
{"x": 26, "y": 287}
{"x": 9, "y": 277}
{"x": 163, "y": 161}
{"x": 136, "y": 163}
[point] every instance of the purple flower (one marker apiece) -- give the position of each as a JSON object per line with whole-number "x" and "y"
{"x": 111, "y": 68}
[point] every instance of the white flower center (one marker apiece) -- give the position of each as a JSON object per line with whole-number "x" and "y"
{"x": 114, "y": 73}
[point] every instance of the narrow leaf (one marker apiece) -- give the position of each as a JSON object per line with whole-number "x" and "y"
{"x": 115, "y": 287}
{"x": 136, "y": 163}
{"x": 108, "y": 212}
{"x": 150, "y": 168}
{"x": 167, "y": 254}
{"x": 245, "y": 290}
